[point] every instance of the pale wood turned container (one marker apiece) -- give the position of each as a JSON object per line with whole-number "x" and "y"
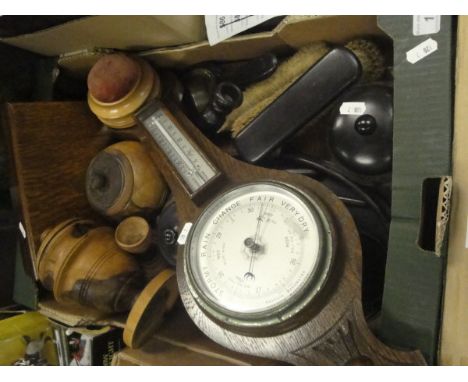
{"x": 123, "y": 180}
{"x": 81, "y": 263}
{"x": 119, "y": 85}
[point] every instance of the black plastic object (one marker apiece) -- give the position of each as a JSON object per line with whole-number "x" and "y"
{"x": 246, "y": 72}
{"x": 363, "y": 143}
{"x": 167, "y": 231}
{"x": 303, "y": 100}
{"x": 172, "y": 87}
{"x": 373, "y": 234}
{"x": 207, "y": 102}
{"x": 370, "y": 211}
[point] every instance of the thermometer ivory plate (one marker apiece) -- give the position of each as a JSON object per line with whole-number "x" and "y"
{"x": 258, "y": 254}
{"x": 192, "y": 166}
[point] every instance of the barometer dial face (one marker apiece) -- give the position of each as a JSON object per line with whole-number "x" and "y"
{"x": 258, "y": 254}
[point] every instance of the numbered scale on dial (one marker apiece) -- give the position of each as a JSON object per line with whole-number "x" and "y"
{"x": 258, "y": 254}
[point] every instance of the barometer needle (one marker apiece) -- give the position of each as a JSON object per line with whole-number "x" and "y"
{"x": 252, "y": 244}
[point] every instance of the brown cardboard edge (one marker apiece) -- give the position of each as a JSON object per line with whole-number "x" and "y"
{"x": 448, "y": 353}
{"x": 45, "y": 31}
{"x": 74, "y": 315}
{"x": 286, "y": 37}
{"x": 79, "y": 62}
{"x": 140, "y": 357}
{"x": 411, "y": 311}
{"x": 335, "y": 29}
{"x": 443, "y": 213}
{"x": 29, "y": 41}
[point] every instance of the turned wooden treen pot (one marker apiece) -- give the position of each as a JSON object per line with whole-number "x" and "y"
{"x": 118, "y": 86}
{"x": 81, "y": 263}
{"x": 134, "y": 235}
{"x": 122, "y": 180}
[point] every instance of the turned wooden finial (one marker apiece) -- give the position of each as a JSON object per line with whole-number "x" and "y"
{"x": 113, "y": 77}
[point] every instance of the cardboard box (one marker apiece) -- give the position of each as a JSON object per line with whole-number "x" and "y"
{"x": 87, "y": 346}
{"x": 179, "y": 343}
{"x": 34, "y": 214}
{"x": 454, "y": 335}
{"x": 27, "y": 340}
{"x": 116, "y": 32}
{"x": 422, "y": 146}
{"x": 422, "y": 130}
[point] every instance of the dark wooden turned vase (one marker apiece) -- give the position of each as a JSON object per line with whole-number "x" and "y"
{"x": 122, "y": 180}
{"x": 81, "y": 263}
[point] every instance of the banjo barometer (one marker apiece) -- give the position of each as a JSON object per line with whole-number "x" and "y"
{"x": 269, "y": 262}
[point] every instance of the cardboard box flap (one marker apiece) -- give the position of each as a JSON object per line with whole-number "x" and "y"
{"x": 422, "y": 138}
{"x": 244, "y": 47}
{"x": 298, "y": 31}
{"x": 292, "y": 33}
{"x": 78, "y": 315}
{"x": 443, "y": 214}
{"x": 117, "y": 32}
{"x": 236, "y": 48}
{"x": 435, "y": 213}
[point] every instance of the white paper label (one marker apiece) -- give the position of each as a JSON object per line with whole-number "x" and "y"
{"x": 184, "y": 234}
{"x": 353, "y": 108}
{"x": 423, "y": 25}
{"x": 22, "y": 230}
{"x": 221, "y": 27}
{"x": 421, "y": 51}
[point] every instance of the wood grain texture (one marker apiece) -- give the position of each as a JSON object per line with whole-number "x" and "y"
{"x": 82, "y": 263}
{"x": 51, "y": 145}
{"x": 334, "y": 320}
{"x": 140, "y": 187}
{"x": 180, "y": 342}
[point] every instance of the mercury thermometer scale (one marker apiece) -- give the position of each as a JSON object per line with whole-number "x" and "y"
{"x": 192, "y": 166}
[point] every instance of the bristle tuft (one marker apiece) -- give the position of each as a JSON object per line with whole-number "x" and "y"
{"x": 371, "y": 58}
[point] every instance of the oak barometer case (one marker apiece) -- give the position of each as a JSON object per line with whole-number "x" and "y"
{"x": 269, "y": 262}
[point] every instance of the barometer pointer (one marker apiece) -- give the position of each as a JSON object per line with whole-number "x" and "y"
{"x": 332, "y": 331}
{"x": 252, "y": 245}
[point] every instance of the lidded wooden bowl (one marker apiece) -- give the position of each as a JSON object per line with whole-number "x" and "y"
{"x": 122, "y": 180}
{"x": 81, "y": 263}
